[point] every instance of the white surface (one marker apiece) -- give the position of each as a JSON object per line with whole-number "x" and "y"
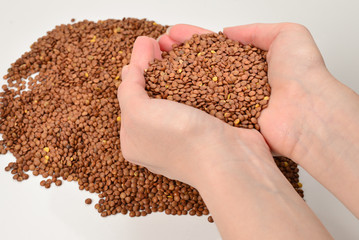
{"x": 28, "y": 211}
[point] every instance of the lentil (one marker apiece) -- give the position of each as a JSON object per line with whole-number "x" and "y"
{"x": 215, "y": 74}
{"x": 60, "y": 117}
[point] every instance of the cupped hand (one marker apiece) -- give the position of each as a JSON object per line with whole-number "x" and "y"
{"x": 295, "y": 71}
{"x": 311, "y": 117}
{"x": 173, "y": 139}
{"x": 298, "y": 77}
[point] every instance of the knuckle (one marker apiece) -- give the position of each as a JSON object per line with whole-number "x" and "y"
{"x": 295, "y": 27}
{"x": 121, "y": 89}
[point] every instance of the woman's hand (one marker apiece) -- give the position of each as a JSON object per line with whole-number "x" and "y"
{"x": 294, "y": 62}
{"x": 173, "y": 139}
{"x": 231, "y": 167}
{"x": 311, "y": 117}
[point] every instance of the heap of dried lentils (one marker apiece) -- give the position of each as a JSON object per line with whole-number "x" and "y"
{"x": 215, "y": 74}
{"x": 60, "y": 118}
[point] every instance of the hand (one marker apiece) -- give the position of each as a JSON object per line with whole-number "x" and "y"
{"x": 311, "y": 117}
{"x": 297, "y": 75}
{"x": 293, "y": 62}
{"x": 226, "y": 164}
{"x": 171, "y": 138}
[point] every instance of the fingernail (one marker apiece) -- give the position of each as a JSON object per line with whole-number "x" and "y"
{"x": 167, "y": 33}
{"x": 168, "y": 30}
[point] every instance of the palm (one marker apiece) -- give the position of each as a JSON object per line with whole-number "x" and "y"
{"x": 290, "y": 58}
{"x": 280, "y": 122}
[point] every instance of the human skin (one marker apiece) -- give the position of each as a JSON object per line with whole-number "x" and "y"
{"x": 311, "y": 118}
{"x": 232, "y": 168}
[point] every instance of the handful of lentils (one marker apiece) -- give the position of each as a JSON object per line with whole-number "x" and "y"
{"x": 60, "y": 117}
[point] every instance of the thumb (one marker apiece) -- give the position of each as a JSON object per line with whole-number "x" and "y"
{"x": 179, "y": 33}
{"x": 259, "y": 34}
{"x": 287, "y": 38}
{"x": 132, "y": 88}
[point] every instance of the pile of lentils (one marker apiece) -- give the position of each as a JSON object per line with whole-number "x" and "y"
{"x": 60, "y": 118}
{"x": 215, "y": 74}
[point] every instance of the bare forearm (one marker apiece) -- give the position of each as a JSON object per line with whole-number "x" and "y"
{"x": 329, "y": 147}
{"x": 251, "y": 199}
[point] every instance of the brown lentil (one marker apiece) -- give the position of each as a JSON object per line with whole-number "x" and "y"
{"x": 58, "y": 183}
{"x": 60, "y": 117}
{"x": 88, "y": 201}
{"x": 215, "y": 74}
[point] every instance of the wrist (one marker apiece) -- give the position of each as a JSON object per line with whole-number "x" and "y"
{"x": 250, "y": 170}
{"x": 333, "y": 112}
{"x": 249, "y": 188}
{"x": 234, "y": 152}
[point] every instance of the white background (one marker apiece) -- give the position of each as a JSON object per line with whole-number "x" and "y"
{"x": 28, "y": 211}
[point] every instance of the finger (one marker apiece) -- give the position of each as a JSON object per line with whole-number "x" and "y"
{"x": 166, "y": 42}
{"x": 178, "y": 34}
{"x": 132, "y": 88}
{"x": 183, "y": 32}
{"x": 156, "y": 49}
{"x": 145, "y": 49}
{"x": 260, "y": 35}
